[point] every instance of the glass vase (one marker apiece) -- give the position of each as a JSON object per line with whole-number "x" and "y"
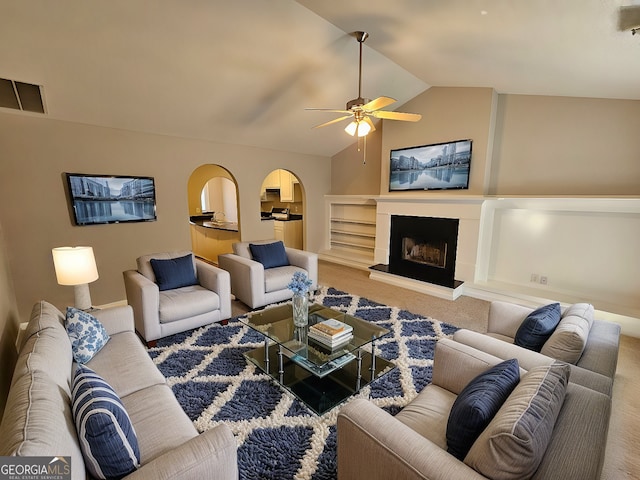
{"x": 300, "y": 304}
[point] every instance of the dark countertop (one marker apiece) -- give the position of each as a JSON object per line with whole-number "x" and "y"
{"x": 205, "y": 222}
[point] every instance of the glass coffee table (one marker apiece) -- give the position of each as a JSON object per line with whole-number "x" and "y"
{"x": 320, "y": 376}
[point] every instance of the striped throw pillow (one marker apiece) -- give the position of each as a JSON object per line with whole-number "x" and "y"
{"x": 107, "y": 438}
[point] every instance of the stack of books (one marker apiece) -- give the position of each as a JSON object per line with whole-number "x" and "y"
{"x": 331, "y": 333}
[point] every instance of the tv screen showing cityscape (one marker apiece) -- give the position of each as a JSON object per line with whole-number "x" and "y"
{"x": 97, "y": 199}
{"x": 439, "y": 166}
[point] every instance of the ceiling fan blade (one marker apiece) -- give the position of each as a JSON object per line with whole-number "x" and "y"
{"x": 328, "y": 110}
{"x": 407, "y": 117}
{"x": 628, "y": 17}
{"x": 335, "y": 120}
{"x": 369, "y": 122}
{"x": 378, "y": 103}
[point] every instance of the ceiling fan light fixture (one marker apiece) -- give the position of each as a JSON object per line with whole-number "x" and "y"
{"x": 362, "y": 127}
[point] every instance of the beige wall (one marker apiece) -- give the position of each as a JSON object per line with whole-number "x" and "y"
{"x": 522, "y": 145}
{"x": 8, "y": 324}
{"x": 34, "y": 208}
{"x": 448, "y": 113}
{"x": 350, "y": 175}
{"x": 566, "y": 146}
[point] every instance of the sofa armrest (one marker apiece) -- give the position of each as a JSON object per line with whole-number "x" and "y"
{"x": 247, "y": 278}
{"x": 505, "y": 318}
{"x": 305, "y": 260}
{"x": 144, "y": 297}
{"x": 501, "y": 349}
{"x": 116, "y": 319}
{"x": 374, "y": 445}
{"x": 211, "y": 455}
{"x": 527, "y": 359}
{"x": 456, "y": 364}
{"x": 217, "y": 280}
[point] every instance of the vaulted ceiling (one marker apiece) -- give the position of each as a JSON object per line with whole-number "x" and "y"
{"x": 243, "y": 71}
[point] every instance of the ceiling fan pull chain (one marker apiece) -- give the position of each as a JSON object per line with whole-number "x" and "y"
{"x": 364, "y": 151}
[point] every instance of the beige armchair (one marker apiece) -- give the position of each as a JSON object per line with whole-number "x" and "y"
{"x": 255, "y": 285}
{"x": 202, "y": 296}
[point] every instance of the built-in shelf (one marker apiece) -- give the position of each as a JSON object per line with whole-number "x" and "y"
{"x": 352, "y": 231}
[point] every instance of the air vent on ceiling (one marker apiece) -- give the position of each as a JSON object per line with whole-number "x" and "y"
{"x": 21, "y": 96}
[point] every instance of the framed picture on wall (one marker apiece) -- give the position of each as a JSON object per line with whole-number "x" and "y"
{"x": 100, "y": 199}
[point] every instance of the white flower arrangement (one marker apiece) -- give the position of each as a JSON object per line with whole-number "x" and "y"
{"x": 299, "y": 283}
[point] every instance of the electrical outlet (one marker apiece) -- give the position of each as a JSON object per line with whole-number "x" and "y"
{"x": 534, "y": 277}
{"x": 543, "y": 280}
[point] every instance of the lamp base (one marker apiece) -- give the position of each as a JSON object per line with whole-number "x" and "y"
{"x": 82, "y": 296}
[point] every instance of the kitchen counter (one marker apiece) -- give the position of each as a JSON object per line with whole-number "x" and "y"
{"x": 206, "y": 222}
{"x": 292, "y": 217}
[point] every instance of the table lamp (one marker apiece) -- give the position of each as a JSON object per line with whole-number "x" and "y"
{"x": 76, "y": 266}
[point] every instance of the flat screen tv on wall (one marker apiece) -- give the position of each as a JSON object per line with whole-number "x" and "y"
{"x": 98, "y": 199}
{"x": 439, "y": 166}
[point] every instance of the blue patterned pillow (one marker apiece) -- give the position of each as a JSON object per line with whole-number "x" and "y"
{"x": 107, "y": 438}
{"x": 174, "y": 272}
{"x": 270, "y": 255}
{"x": 86, "y": 333}
{"x": 477, "y": 404}
{"x": 538, "y": 326}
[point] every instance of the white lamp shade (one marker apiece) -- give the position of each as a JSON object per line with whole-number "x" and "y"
{"x": 363, "y": 129}
{"x": 74, "y": 265}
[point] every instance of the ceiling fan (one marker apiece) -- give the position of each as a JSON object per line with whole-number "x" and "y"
{"x": 360, "y": 109}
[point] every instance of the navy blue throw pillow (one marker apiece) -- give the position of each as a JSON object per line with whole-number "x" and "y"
{"x": 174, "y": 272}
{"x": 536, "y": 329}
{"x": 270, "y": 255}
{"x": 477, "y": 404}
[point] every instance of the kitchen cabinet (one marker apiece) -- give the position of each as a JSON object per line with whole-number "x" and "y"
{"x": 289, "y": 232}
{"x": 286, "y": 186}
{"x": 208, "y": 243}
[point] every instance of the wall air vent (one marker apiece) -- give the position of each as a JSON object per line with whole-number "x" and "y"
{"x": 21, "y": 96}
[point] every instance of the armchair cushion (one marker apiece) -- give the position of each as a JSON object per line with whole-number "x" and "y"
{"x": 538, "y": 326}
{"x": 270, "y": 255}
{"x": 185, "y": 302}
{"x": 477, "y": 404}
{"x": 514, "y": 443}
{"x": 174, "y": 272}
{"x": 86, "y": 333}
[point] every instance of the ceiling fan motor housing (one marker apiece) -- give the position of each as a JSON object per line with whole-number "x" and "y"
{"x": 357, "y": 102}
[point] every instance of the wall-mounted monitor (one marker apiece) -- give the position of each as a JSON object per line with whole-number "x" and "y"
{"x": 439, "y": 166}
{"x": 97, "y": 199}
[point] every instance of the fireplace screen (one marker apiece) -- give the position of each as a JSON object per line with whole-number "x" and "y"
{"x": 432, "y": 253}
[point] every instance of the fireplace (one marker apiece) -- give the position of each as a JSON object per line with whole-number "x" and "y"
{"x": 424, "y": 248}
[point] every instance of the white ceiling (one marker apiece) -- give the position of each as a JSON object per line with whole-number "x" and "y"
{"x": 243, "y": 71}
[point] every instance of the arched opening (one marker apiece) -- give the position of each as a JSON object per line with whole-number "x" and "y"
{"x": 282, "y": 201}
{"x": 213, "y": 211}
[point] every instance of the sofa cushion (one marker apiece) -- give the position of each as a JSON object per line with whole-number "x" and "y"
{"x": 515, "y": 441}
{"x": 569, "y": 339}
{"x": 477, "y": 404}
{"x": 107, "y": 439}
{"x": 270, "y": 255}
{"x": 174, "y": 272}
{"x": 538, "y": 326}
{"x": 86, "y": 333}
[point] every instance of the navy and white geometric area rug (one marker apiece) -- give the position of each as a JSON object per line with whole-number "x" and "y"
{"x": 278, "y": 436}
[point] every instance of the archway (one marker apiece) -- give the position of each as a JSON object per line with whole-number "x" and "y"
{"x": 213, "y": 211}
{"x": 282, "y": 201}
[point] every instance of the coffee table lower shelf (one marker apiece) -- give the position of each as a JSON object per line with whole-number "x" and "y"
{"x": 320, "y": 394}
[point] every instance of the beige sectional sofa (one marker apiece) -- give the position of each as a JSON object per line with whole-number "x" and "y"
{"x": 38, "y": 418}
{"x": 373, "y": 444}
{"x": 588, "y": 344}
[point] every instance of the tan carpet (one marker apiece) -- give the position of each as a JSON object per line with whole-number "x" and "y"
{"x": 622, "y": 459}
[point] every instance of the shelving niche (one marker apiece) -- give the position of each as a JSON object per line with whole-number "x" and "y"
{"x": 352, "y": 231}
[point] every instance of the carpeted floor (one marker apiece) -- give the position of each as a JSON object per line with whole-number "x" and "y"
{"x": 278, "y": 436}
